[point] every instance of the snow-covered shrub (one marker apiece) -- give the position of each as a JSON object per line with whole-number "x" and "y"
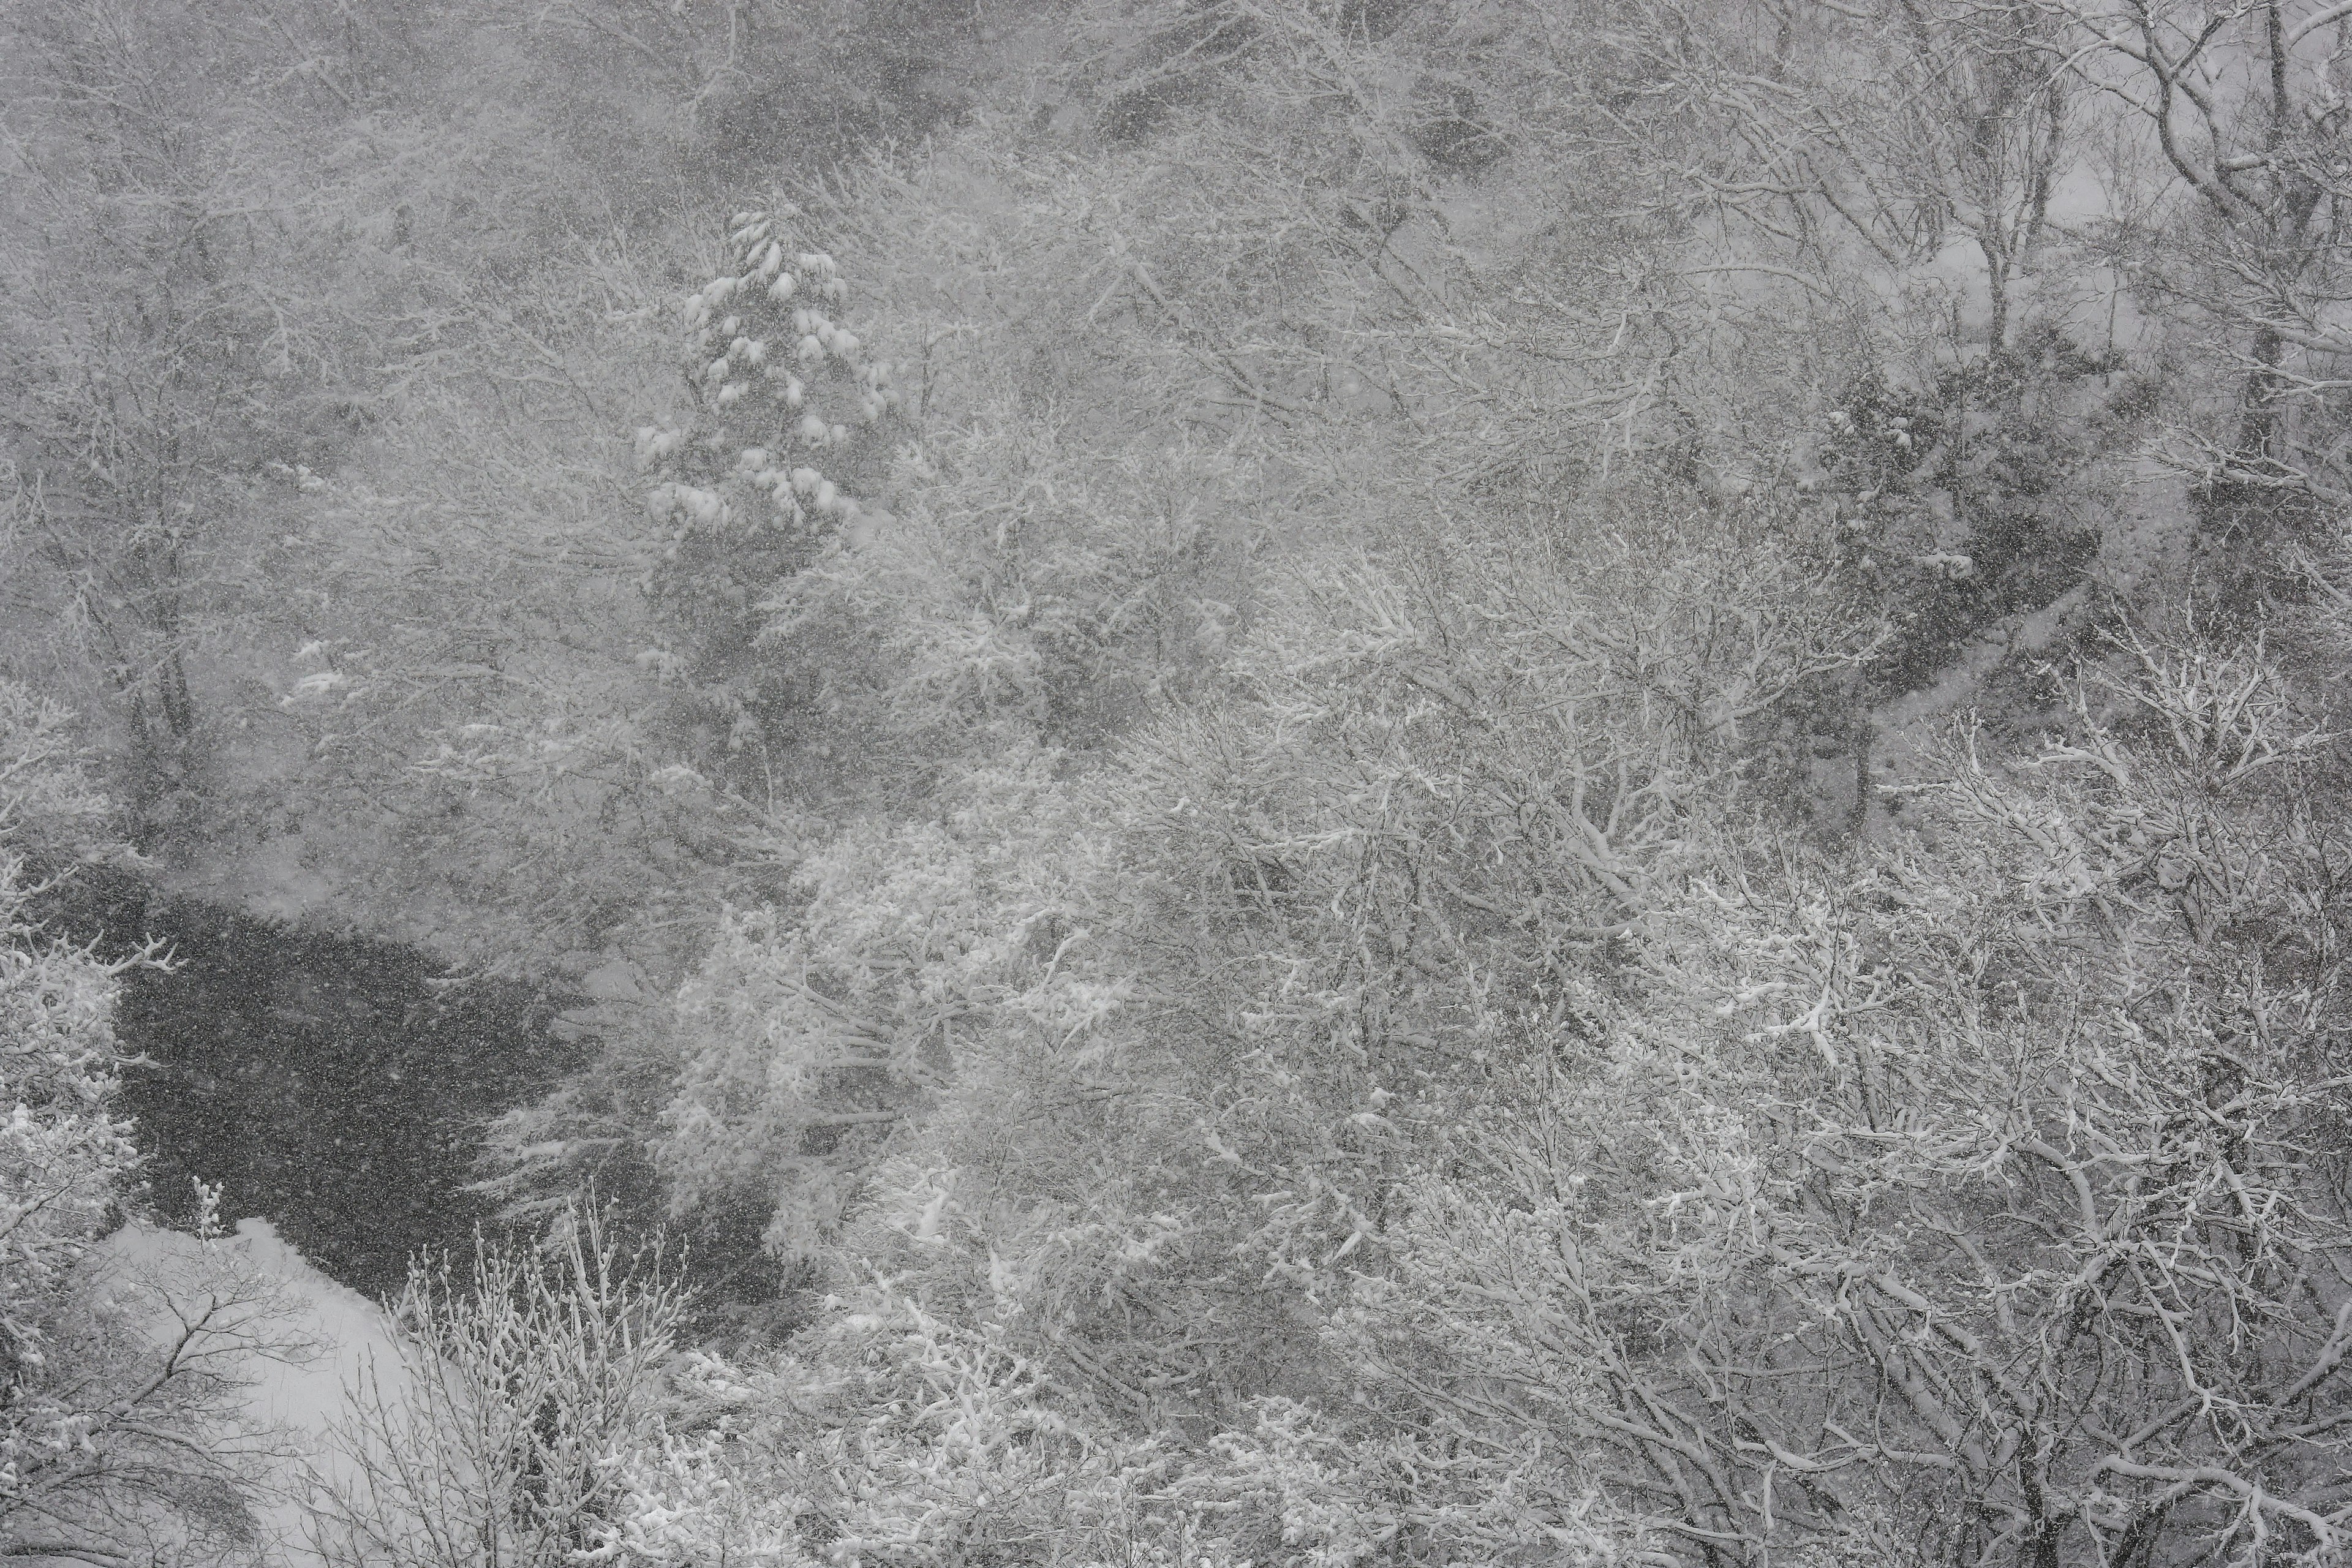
{"x": 529, "y": 1381}
{"x": 813, "y": 1030}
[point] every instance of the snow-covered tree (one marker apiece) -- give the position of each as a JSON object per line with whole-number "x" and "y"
{"x": 777, "y": 470}
{"x": 1977, "y": 1202}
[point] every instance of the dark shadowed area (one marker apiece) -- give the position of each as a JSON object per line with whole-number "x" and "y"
{"x": 329, "y": 1084}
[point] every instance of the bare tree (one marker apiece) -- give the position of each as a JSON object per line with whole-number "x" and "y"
{"x": 2244, "y": 105}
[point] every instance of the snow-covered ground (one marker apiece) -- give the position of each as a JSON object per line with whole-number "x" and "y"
{"x": 327, "y": 1338}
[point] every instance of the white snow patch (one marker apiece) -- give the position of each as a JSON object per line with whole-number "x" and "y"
{"x": 331, "y": 1338}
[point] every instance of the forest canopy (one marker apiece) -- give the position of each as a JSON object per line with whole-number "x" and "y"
{"x": 1333, "y": 782}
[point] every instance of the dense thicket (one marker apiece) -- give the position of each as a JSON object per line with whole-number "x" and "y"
{"x": 1341, "y": 783}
